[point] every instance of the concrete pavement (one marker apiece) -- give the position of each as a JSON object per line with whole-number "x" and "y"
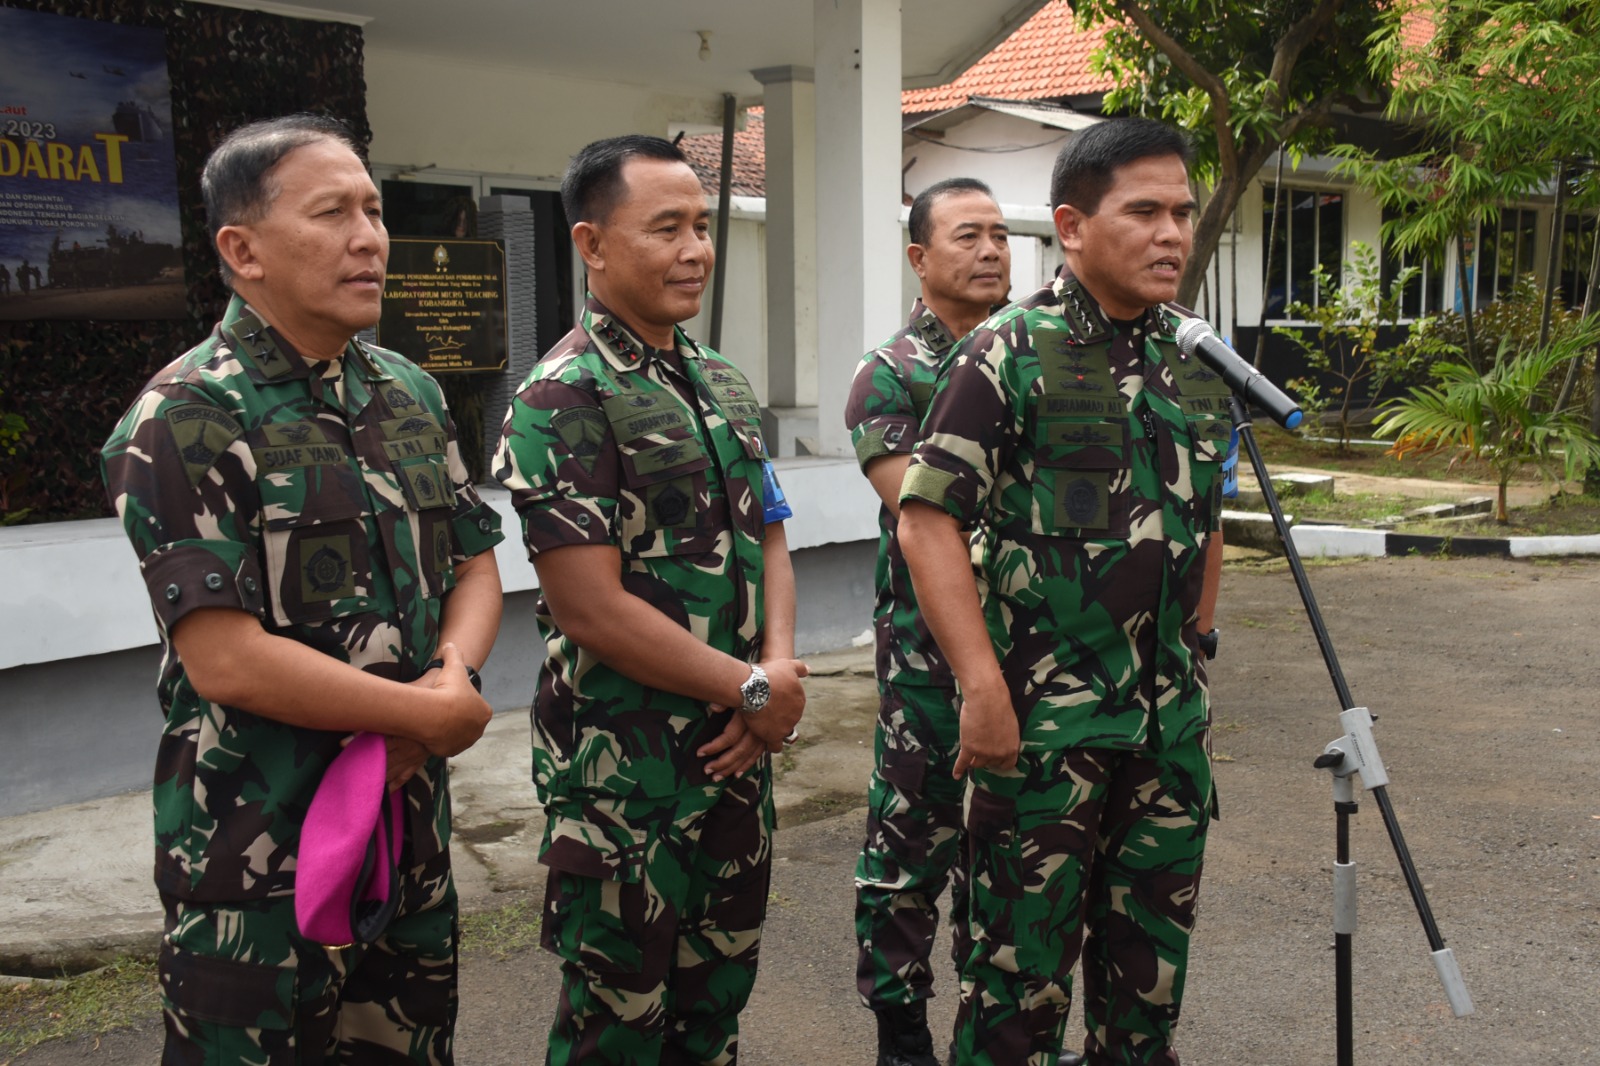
{"x": 1479, "y": 669}
{"x": 78, "y": 878}
{"x": 78, "y": 887}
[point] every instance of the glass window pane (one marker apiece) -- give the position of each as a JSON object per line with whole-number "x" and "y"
{"x": 1302, "y": 217}
{"x": 1330, "y": 236}
{"x": 1273, "y": 256}
{"x": 1486, "y": 260}
{"x": 1431, "y": 290}
{"x": 423, "y": 209}
{"x": 1578, "y": 237}
{"x": 1527, "y": 232}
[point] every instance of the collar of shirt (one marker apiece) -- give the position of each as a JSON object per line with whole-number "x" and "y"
{"x": 267, "y": 356}
{"x": 934, "y": 333}
{"x": 621, "y": 347}
{"x": 1077, "y": 302}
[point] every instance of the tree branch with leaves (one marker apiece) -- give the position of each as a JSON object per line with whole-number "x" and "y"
{"x": 1246, "y": 79}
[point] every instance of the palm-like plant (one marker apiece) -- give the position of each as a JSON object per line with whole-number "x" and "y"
{"x": 1503, "y": 415}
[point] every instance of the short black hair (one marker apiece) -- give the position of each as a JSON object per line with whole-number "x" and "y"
{"x": 922, "y": 207}
{"x": 593, "y": 187}
{"x": 236, "y": 183}
{"x": 1085, "y": 165}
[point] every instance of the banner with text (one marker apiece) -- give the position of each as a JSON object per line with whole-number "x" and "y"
{"x": 88, "y": 180}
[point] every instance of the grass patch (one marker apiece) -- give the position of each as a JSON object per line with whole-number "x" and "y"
{"x": 1353, "y": 509}
{"x": 1282, "y": 448}
{"x": 503, "y": 931}
{"x": 112, "y": 997}
{"x": 126, "y": 992}
{"x": 1563, "y": 515}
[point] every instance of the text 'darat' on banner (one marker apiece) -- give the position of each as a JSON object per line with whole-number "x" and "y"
{"x": 89, "y": 222}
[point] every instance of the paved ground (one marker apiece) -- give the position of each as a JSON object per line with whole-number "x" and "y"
{"x": 1483, "y": 673}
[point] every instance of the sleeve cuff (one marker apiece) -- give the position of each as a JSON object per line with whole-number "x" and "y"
{"x": 930, "y": 485}
{"x": 476, "y": 530}
{"x": 186, "y": 576}
{"x": 883, "y": 436}
{"x": 564, "y": 521}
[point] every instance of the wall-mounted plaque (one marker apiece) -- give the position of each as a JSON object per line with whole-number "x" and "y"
{"x": 444, "y": 304}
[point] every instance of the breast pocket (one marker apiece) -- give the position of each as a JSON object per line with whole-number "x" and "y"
{"x": 1081, "y": 485}
{"x": 664, "y": 497}
{"x": 1210, "y": 439}
{"x": 747, "y": 488}
{"x": 425, "y": 482}
{"x": 315, "y": 541}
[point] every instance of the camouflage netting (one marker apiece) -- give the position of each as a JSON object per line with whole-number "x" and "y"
{"x": 70, "y": 380}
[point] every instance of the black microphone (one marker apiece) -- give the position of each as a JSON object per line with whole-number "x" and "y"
{"x": 1196, "y": 337}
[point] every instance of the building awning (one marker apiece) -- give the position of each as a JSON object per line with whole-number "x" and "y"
{"x": 1044, "y": 112}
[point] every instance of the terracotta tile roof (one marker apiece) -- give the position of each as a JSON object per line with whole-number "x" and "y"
{"x": 1416, "y": 28}
{"x": 749, "y": 157}
{"x": 1045, "y": 59}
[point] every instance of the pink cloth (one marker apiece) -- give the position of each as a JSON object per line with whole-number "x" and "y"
{"x": 347, "y": 870}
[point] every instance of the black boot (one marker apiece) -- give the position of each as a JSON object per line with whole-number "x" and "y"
{"x": 903, "y": 1037}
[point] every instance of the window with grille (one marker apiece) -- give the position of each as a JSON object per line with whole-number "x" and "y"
{"x": 1310, "y": 231}
{"x": 1424, "y": 291}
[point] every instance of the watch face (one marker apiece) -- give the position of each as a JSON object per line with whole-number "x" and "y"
{"x": 756, "y": 693}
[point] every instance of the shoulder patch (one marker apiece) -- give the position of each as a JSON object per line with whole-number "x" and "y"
{"x": 582, "y": 430}
{"x": 202, "y": 433}
{"x": 399, "y": 399}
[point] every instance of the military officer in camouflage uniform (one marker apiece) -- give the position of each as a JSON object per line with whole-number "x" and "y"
{"x": 636, "y": 461}
{"x": 960, "y": 253}
{"x": 318, "y": 564}
{"x": 1087, "y": 450}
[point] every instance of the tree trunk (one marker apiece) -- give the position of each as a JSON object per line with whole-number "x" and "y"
{"x": 1552, "y": 267}
{"x": 1468, "y": 296}
{"x": 1591, "y": 479}
{"x": 1208, "y": 235}
{"x": 1266, "y": 266}
{"x": 1501, "y": 515}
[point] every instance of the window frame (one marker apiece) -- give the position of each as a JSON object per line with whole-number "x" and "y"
{"x": 1286, "y": 238}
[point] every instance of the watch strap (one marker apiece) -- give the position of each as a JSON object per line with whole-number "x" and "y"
{"x": 472, "y": 675}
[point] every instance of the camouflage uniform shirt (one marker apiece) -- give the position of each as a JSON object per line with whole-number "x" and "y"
{"x": 329, "y": 500}
{"x": 660, "y": 455}
{"x": 888, "y": 398}
{"x": 1089, "y": 453}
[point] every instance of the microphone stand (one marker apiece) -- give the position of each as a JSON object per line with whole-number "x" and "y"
{"x": 1355, "y": 752}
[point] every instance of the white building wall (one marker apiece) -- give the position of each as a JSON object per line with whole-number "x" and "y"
{"x": 987, "y": 148}
{"x": 744, "y": 307}
{"x": 416, "y": 106}
{"x": 498, "y": 120}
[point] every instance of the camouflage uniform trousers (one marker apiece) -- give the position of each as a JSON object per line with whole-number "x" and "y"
{"x": 658, "y": 960}
{"x": 1112, "y": 837}
{"x": 913, "y": 847}
{"x": 239, "y": 983}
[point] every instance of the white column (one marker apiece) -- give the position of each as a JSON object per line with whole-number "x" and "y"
{"x": 790, "y": 101}
{"x": 857, "y": 48}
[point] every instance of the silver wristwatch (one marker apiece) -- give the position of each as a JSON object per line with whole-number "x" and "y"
{"x": 756, "y": 691}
